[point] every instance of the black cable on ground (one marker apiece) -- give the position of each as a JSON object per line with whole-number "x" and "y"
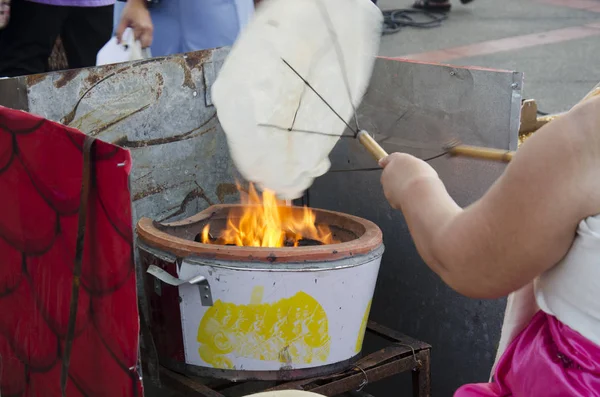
{"x": 395, "y": 20}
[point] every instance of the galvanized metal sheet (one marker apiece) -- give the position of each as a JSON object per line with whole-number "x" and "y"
{"x": 160, "y": 109}
{"x": 418, "y": 107}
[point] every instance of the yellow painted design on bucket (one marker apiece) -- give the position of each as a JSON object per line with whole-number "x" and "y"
{"x": 363, "y": 329}
{"x": 291, "y": 330}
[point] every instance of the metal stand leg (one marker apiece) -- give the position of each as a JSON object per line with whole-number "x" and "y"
{"x": 421, "y": 378}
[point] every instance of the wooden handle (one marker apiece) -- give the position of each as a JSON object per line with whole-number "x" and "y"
{"x": 481, "y": 153}
{"x": 371, "y": 145}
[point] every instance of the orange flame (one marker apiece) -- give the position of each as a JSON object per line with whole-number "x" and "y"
{"x": 268, "y": 222}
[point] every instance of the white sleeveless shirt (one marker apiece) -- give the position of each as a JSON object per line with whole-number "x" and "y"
{"x": 570, "y": 291}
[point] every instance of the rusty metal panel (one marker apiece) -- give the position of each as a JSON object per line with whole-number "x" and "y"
{"x": 158, "y": 108}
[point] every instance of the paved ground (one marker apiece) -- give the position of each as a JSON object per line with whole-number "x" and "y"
{"x": 556, "y": 43}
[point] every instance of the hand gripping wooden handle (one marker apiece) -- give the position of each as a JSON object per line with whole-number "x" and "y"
{"x": 371, "y": 145}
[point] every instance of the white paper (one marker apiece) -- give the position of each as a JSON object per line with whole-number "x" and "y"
{"x": 258, "y": 97}
{"x": 128, "y": 50}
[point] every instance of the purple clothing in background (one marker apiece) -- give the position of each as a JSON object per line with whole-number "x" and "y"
{"x": 76, "y": 3}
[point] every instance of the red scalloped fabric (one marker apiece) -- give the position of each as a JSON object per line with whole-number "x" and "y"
{"x": 40, "y": 182}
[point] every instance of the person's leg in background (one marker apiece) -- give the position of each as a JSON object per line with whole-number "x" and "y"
{"x": 167, "y": 27}
{"x": 27, "y": 41}
{"x": 212, "y": 23}
{"x": 85, "y": 32}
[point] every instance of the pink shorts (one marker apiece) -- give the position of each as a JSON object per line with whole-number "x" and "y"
{"x": 548, "y": 359}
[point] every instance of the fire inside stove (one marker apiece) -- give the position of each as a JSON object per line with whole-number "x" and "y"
{"x": 265, "y": 221}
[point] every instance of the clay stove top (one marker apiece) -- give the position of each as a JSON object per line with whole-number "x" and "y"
{"x": 357, "y": 236}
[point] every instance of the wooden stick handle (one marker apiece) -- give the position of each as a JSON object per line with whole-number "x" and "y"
{"x": 371, "y": 145}
{"x": 481, "y": 153}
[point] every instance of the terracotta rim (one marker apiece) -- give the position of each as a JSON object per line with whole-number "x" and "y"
{"x": 149, "y": 233}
